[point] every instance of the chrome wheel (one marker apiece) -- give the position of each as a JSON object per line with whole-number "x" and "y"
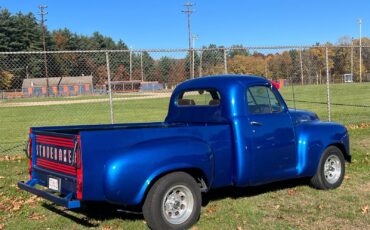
{"x": 332, "y": 169}
{"x": 178, "y": 204}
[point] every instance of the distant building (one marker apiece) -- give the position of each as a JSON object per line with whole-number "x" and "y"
{"x": 348, "y": 78}
{"x": 67, "y": 86}
{"x": 135, "y": 86}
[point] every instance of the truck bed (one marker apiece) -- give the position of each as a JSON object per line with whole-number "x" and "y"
{"x": 100, "y": 144}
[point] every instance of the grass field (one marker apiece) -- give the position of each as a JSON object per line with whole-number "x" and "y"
{"x": 284, "y": 205}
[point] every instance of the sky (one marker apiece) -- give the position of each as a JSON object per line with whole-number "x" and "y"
{"x": 161, "y": 24}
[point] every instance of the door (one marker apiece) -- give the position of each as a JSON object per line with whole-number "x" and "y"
{"x": 273, "y": 138}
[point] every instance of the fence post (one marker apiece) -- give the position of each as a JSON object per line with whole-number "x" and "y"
{"x": 141, "y": 66}
{"x": 193, "y": 63}
{"x": 130, "y": 64}
{"x": 301, "y": 63}
{"x": 200, "y": 63}
{"x": 327, "y": 83}
{"x": 109, "y": 88}
{"x": 225, "y": 61}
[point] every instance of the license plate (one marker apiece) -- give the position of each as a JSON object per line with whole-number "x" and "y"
{"x": 54, "y": 184}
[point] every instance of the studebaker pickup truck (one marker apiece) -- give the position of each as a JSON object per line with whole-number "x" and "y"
{"x": 220, "y": 131}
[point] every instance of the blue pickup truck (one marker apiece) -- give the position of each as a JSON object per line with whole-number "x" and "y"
{"x": 220, "y": 131}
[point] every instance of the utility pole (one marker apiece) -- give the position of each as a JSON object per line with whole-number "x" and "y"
{"x": 352, "y": 58}
{"x": 42, "y": 14}
{"x": 189, "y": 11}
{"x": 360, "y": 25}
{"x": 301, "y": 64}
{"x": 194, "y": 37}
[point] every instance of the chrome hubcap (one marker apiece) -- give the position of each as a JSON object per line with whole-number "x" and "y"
{"x": 178, "y": 204}
{"x": 332, "y": 169}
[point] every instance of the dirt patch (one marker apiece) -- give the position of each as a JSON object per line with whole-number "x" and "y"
{"x": 83, "y": 101}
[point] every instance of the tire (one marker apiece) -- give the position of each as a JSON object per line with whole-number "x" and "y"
{"x": 331, "y": 169}
{"x": 174, "y": 202}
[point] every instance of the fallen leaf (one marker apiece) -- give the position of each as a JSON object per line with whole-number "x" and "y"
{"x": 16, "y": 207}
{"x": 36, "y": 216}
{"x": 3, "y": 207}
{"x": 320, "y": 206}
{"x": 107, "y": 228}
{"x": 31, "y": 200}
{"x": 1, "y": 226}
{"x": 365, "y": 209}
{"x": 17, "y": 204}
{"x": 360, "y": 126}
{"x": 277, "y": 207}
{"x": 194, "y": 228}
{"x": 2, "y": 177}
{"x": 212, "y": 209}
{"x": 239, "y": 228}
{"x": 347, "y": 177}
{"x": 292, "y": 192}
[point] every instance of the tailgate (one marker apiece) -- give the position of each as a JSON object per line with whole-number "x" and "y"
{"x": 55, "y": 163}
{"x": 56, "y": 153}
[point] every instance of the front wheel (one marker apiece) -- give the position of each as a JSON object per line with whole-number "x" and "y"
{"x": 331, "y": 169}
{"x": 174, "y": 202}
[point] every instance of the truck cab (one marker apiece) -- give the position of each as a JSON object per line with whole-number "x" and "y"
{"x": 230, "y": 130}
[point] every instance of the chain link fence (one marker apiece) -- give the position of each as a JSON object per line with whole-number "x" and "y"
{"x": 116, "y": 86}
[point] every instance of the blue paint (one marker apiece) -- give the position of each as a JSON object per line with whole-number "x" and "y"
{"x": 122, "y": 161}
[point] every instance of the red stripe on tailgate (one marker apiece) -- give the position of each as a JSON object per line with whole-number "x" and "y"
{"x": 68, "y": 169}
{"x": 58, "y": 141}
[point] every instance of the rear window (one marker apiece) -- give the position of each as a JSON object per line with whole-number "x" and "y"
{"x": 200, "y": 97}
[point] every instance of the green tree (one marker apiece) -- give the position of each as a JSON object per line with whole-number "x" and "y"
{"x": 238, "y": 50}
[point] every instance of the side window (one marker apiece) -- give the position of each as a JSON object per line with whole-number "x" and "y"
{"x": 274, "y": 102}
{"x": 262, "y": 100}
{"x": 201, "y": 97}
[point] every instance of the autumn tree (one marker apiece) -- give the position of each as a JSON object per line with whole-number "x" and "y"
{"x": 6, "y": 79}
{"x": 241, "y": 64}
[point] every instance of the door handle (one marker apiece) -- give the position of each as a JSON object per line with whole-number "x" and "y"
{"x": 256, "y": 123}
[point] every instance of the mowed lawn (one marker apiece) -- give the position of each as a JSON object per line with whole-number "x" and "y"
{"x": 283, "y": 205}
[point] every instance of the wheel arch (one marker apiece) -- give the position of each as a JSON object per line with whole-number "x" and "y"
{"x": 198, "y": 174}
{"x": 343, "y": 149}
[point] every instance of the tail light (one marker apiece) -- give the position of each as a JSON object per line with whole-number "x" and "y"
{"x": 79, "y": 168}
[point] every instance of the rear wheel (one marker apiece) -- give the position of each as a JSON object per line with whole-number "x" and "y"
{"x": 330, "y": 172}
{"x": 174, "y": 202}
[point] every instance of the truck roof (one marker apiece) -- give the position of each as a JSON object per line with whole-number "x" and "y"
{"x": 231, "y": 89}
{"x": 222, "y": 81}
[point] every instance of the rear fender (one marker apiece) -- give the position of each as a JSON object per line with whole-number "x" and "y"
{"x": 128, "y": 176}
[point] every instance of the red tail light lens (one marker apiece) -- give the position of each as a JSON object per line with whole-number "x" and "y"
{"x": 29, "y": 150}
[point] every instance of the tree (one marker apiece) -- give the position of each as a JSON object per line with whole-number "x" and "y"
{"x": 121, "y": 73}
{"x": 241, "y": 64}
{"x": 6, "y": 79}
{"x": 238, "y": 50}
{"x": 165, "y": 67}
{"x": 279, "y": 65}
{"x": 213, "y": 60}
